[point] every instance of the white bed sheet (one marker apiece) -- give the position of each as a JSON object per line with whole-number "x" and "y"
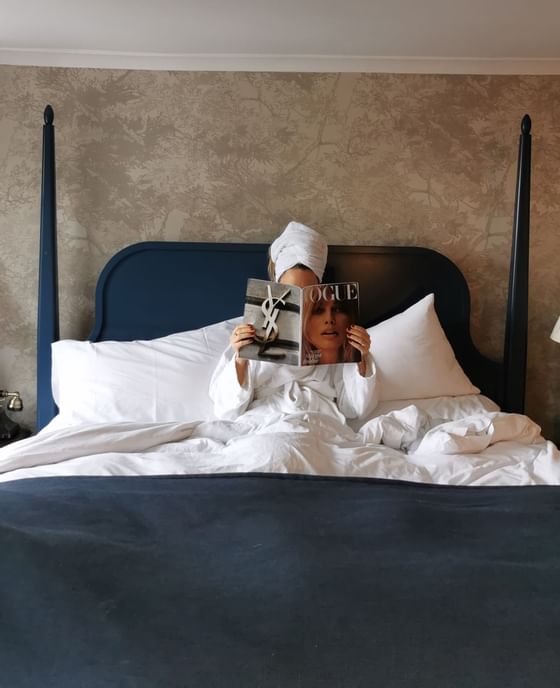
{"x": 445, "y": 441}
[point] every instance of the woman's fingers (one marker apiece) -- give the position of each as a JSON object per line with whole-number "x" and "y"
{"x": 359, "y": 338}
{"x": 241, "y": 336}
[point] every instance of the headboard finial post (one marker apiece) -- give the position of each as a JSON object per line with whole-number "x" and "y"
{"x": 515, "y": 344}
{"x": 47, "y": 312}
{"x": 48, "y": 115}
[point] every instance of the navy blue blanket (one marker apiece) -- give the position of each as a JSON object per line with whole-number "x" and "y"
{"x": 277, "y": 582}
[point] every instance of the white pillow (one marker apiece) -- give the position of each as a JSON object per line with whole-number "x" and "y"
{"x": 156, "y": 380}
{"x": 413, "y": 357}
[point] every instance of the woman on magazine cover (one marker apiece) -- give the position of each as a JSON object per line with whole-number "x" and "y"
{"x": 327, "y": 323}
{"x": 258, "y": 388}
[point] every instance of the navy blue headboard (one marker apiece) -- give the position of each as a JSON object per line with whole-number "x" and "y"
{"x": 152, "y": 289}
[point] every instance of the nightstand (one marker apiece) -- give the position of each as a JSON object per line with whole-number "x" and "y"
{"x": 21, "y": 434}
{"x": 10, "y": 431}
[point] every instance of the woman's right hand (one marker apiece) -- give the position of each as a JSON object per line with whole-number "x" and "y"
{"x": 241, "y": 336}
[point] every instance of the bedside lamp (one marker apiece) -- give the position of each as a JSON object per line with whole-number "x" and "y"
{"x": 555, "y": 334}
{"x": 9, "y": 429}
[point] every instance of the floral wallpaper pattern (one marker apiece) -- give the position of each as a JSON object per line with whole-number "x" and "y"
{"x": 427, "y": 160}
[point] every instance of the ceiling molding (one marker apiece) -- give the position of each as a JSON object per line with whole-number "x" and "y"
{"x": 277, "y": 63}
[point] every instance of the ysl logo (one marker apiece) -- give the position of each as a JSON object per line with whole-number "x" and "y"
{"x": 270, "y": 312}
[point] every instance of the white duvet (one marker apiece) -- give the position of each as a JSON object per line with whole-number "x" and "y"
{"x": 446, "y": 441}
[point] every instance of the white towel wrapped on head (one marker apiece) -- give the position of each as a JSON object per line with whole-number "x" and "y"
{"x": 299, "y": 244}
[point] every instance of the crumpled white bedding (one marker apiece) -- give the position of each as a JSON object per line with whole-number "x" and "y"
{"x": 482, "y": 448}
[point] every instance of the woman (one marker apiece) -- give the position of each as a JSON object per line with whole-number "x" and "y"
{"x": 258, "y": 388}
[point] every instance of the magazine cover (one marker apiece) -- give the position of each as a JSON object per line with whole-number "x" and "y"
{"x": 301, "y": 326}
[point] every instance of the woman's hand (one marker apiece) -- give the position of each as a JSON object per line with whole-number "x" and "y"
{"x": 240, "y": 337}
{"x": 359, "y": 339}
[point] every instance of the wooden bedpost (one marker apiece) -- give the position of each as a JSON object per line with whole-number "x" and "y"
{"x": 515, "y": 345}
{"x": 47, "y": 316}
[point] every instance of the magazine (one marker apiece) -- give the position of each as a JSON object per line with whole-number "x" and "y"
{"x": 301, "y": 326}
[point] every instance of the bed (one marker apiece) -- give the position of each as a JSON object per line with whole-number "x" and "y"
{"x": 146, "y": 543}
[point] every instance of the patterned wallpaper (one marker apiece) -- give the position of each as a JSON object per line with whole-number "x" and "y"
{"x": 396, "y": 159}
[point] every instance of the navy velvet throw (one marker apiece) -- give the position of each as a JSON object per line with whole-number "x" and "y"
{"x": 277, "y": 582}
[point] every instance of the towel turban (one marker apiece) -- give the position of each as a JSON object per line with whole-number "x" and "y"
{"x": 299, "y": 244}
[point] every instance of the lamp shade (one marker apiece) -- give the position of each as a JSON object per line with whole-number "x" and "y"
{"x": 555, "y": 334}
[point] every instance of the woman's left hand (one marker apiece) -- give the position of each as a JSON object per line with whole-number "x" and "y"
{"x": 359, "y": 339}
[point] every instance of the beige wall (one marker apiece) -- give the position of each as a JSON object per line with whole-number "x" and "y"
{"x": 365, "y": 158}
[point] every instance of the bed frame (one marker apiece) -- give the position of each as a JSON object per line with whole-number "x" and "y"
{"x": 195, "y": 284}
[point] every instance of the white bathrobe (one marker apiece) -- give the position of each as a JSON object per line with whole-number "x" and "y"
{"x": 271, "y": 389}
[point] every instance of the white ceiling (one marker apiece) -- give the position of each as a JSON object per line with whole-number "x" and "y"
{"x": 461, "y": 36}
